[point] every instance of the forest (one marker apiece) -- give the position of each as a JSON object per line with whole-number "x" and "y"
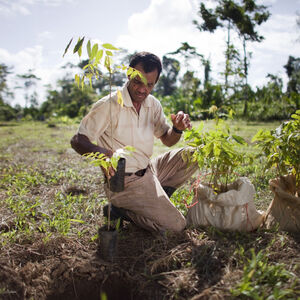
{"x": 180, "y": 87}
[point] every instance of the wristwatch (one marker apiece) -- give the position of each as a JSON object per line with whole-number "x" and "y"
{"x": 177, "y": 130}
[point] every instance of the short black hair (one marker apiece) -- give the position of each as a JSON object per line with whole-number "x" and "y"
{"x": 149, "y": 62}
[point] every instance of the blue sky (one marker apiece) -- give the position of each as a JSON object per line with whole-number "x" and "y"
{"x": 34, "y": 34}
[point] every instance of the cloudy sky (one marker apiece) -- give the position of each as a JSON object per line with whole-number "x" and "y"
{"x": 34, "y": 33}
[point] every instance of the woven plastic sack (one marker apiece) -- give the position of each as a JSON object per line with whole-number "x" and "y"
{"x": 233, "y": 210}
{"x": 284, "y": 209}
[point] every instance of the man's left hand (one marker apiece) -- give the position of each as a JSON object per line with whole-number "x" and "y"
{"x": 181, "y": 121}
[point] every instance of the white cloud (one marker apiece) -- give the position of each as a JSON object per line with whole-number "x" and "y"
{"x": 164, "y": 25}
{"x": 8, "y": 7}
{"x": 45, "y": 35}
{"x": 272, "y": 54}
{"x": 30, "y": 59}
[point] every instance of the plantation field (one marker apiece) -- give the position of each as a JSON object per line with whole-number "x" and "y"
{"x": 51, "y": 202}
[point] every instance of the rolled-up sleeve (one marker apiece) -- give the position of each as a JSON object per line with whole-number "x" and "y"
{"x": 96, "y": 121}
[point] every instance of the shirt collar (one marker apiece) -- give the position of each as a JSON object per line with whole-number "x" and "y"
{"x": 127, "y": 99}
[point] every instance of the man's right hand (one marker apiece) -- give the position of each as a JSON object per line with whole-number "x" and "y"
{"x": 82, "y": 145}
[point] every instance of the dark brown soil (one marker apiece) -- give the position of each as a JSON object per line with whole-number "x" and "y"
{"x": 202, "y": 263}
{"x": 193, "y": 265}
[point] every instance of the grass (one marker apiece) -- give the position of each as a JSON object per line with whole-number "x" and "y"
{"x": 51, "y": 203}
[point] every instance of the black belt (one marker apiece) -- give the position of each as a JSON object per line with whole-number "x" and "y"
{"x": 137, "y": 173}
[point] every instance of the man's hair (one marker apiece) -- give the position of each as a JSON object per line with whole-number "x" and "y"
{"x": 149, "y": 62}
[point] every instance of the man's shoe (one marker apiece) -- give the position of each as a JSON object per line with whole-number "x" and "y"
{"x": 116, "y": 213}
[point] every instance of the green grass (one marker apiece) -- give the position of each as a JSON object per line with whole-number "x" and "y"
{"x": 47, "y": 190}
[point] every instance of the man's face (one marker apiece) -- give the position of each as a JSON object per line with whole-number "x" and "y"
{"x": 137, "y": 89}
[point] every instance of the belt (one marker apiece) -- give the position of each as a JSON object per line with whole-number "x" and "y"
{"x": 139, "y": 173}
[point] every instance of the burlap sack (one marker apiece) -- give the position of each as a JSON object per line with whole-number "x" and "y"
{"x": 284, "y": 209}
{"x": 232, "y": 210}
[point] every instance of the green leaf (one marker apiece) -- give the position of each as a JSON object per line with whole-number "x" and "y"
{"x": 129, "y": 148}
{"x": 109, "y": 46}
{"x": 89, "y": 49}
{"x": 79, "y": 51}
{"x": 109, "y": 53}
{"x": 296, "y": 117}
{"x": 77, "y": 79}
{"x": 239, "y": 139}
{"x": 94, "y": 51}
{"x": 114, "y": 162}
{"x": 129, "y": 71}
{"x": 120, "y": 98}
{"x": 78, "y": 45}
{"x": 68, "y": 46}
{"x": 107, "y": 63}
{"x": 98, "y": 56}
{"x": 77, "y": 221}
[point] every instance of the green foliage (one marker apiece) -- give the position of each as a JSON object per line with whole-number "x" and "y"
{"x": 263, "y": 280}
{"x": 282, "y": 147}
{"x": 100, "y": 55}
{"x": 166, "y": 85}
{"x": 101, "y": 160}
{"x": 215, "y": 150}
{"x": 68, "y": 100}
{"x": 293, "y": 71}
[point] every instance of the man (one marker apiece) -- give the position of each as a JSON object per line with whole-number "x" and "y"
{"x": 148, "y": 183}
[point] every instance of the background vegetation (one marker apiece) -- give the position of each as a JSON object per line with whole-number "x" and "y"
{"x": 180, "y": 86}
{"x": 51, "y": 199}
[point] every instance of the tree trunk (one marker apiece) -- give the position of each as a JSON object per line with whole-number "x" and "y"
{"x": 246, "y": 79}
{"x": 227, "y": 63}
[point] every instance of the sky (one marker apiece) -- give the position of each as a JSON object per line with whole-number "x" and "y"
{"x": 34, "y": 34}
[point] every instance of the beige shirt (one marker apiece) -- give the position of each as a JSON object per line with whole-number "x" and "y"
{"x": 109, "y": 119}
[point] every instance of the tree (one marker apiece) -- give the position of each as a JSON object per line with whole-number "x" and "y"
{"x": 166, "y": 85}
{"x": 67, "y": 99}
{"x": 243, "y": 15}
{"x": 30, "y": 81}
{"x": 6, "y": 111}
{"x": 293, "y": 72}
{"x": 252, "y": 15}
{"x": 4, "y": 90}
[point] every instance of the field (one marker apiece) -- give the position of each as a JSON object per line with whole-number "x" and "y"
{"x": 51, "y": 203}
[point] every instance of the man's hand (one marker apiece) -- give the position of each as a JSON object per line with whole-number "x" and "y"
{"x": 181, "y": 121}
{"x": 110, "y": 171}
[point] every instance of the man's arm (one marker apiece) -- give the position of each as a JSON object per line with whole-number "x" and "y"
{"x": 181, "y": 121}
{"x": 82, "y": 145}
{"x": 170, "y": 138}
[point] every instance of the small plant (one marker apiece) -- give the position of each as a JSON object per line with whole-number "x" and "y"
{"x": 216, "y": 152}
{"x": 101, "y": 160}
{"x": 282, "y": 147}
{"x": 263, "y": 280}
{"x": 100, "y": 54}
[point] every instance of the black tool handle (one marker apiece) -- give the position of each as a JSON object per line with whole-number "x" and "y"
{"x": 116, "y": 182}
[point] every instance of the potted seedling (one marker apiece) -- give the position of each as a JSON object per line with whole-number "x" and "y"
{"x": 218, "y": 200}
{"x": 108, "y": 233}
{"x": 102, "y": 55}
{"x": 281, "y": 148}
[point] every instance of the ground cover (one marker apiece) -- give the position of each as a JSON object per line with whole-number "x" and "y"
{"x": 51, "y": 203}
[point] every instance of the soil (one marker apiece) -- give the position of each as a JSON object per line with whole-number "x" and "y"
{"x": 147, "y": 266}
{"x": 200, "y": 263}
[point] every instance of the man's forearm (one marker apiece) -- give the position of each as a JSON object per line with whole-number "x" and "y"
{"x": 170, "y": 138}
{"x": 82, "y": 145}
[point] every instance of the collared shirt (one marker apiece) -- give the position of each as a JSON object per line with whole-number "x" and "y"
{"x": 112, "y": 126}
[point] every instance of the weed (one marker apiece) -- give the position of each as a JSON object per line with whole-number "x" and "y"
{"x": 264, "y": 280}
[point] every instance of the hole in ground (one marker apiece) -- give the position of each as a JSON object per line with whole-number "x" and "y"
{"x": 113, "y": 286}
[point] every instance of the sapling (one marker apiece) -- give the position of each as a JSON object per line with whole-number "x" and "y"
{"x": 282, "y": 147}
{"x": 216, "y": 151}
{"x": 102, "y": 54}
